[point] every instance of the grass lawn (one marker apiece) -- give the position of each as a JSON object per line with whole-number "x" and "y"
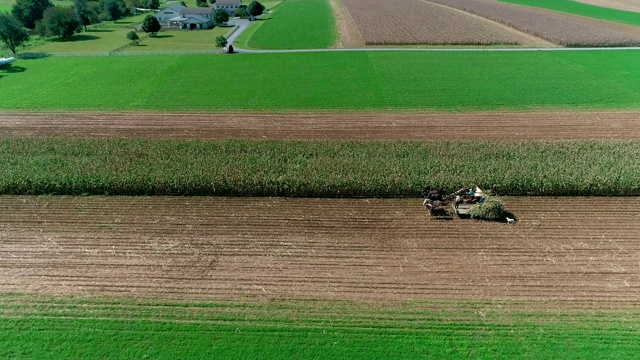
{"x": 102, "y": 39}
{"x": 5, "y": 5}
{"x": 62, "y": 328}
{"x": 181, "y": 40}
{"x": 375, "y": 80}
{"x": 108, "y": 36}
{"x": 574, "y": 7}
{"x": 296, "y": 24}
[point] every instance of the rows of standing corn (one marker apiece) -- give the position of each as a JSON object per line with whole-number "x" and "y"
{"x": 322, "y": 169}
{"x": 563, "y": 29}
{"x": 418, "y": 22}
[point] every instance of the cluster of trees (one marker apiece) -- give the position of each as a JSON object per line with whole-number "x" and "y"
{"x": 43, "y": 18}
{"x": 254, "y": 9}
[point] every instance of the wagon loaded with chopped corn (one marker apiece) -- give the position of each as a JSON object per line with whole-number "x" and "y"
{"x": 463, "y": 202}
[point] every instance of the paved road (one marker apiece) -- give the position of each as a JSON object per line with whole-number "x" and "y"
{"x": 242, "y": 25}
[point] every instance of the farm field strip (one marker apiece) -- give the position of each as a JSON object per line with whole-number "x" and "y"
{"x": 344, "y": 169}
{"x": 560, "y": 28}
{"x": 623, "y": 11}
{"x": 332, "y": 81}
{"x": 626, "y": 5}
{"x": 57, "y": 327}
{"x": 284, "y": 29}
{"x": 317, "y": 126}
{"x": 419, "y": 22}
{"x": 270, "y": 248}
{"x": 348, "y": 33}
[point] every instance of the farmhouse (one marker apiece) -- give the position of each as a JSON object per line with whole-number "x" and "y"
{"x": 229, "y": 5}
{"x": 186, "y": 18}
{"x": 164, "y": 15}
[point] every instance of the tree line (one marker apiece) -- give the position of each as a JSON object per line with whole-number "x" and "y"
{"x": 43, "y": 18}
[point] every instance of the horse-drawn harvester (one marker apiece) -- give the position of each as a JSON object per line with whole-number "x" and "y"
{"x": 462, "y": 202}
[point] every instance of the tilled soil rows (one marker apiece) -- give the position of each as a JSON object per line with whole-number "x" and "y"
{"x": 435, "y": 126}
{"x": 283, "y": 248}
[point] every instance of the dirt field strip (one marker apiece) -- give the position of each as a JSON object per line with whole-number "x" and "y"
{"x": 348, "y": 32}
{"x": 442, "y": 126}
{"x": 364, "y": 249}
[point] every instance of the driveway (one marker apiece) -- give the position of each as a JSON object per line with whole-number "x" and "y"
{"x": 242, "y": 24}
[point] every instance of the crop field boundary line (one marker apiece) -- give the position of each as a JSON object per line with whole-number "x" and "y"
{"x": 440, "y": 49}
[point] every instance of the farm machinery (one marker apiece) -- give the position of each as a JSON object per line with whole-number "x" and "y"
{"x": 462, "y": 202}
{"x": 5, "y": 61}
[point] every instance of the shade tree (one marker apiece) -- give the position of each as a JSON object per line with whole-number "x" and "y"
{"x": 28, "y": 12}
{"x": 151, "y": 25}
{"x": 12, "y": 33}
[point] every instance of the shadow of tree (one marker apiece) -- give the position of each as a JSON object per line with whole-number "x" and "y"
{"x": 75, "y": 38}
{"x": 99, "y": 30}
{"x": 161, "y": 36}
{"x": 11, "y": 69}
{"x": 32, "y": 55}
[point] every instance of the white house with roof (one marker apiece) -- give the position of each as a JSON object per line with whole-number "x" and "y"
{"x": 164, "y": 15}
{"x": 187, "y": 18}
{"x": 229, "y": 5}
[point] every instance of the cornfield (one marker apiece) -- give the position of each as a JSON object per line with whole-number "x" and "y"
{"x": 564, "y": 29}
{"x": 315, "y": 169}
{"x": 418, "y": 22}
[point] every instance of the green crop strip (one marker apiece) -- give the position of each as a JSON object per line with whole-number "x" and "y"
{"x": 317, "y": 169}
{"x": 297, "y": 24}
{"x": 332, "y": 81}
{"x": 577, "y": 8}
{"x": 62, "y": 328}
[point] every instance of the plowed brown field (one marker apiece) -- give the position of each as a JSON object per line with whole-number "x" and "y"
{"x": 444, "y": 126}
{"x": 365, "y": 249}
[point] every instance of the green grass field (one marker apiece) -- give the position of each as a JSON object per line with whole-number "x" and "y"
{"x": 102, "y": 37}
{"x": 296, "y": 24}
{"x": 369, "y": 81}
{"x": 5, "y": 5}
{"x": 94, "y": 40}
{"x": 181, "y": 40}
{"x": 67, "y": 328}
{"x": 316, "y": 169}
{"x": 577, "y": 8}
